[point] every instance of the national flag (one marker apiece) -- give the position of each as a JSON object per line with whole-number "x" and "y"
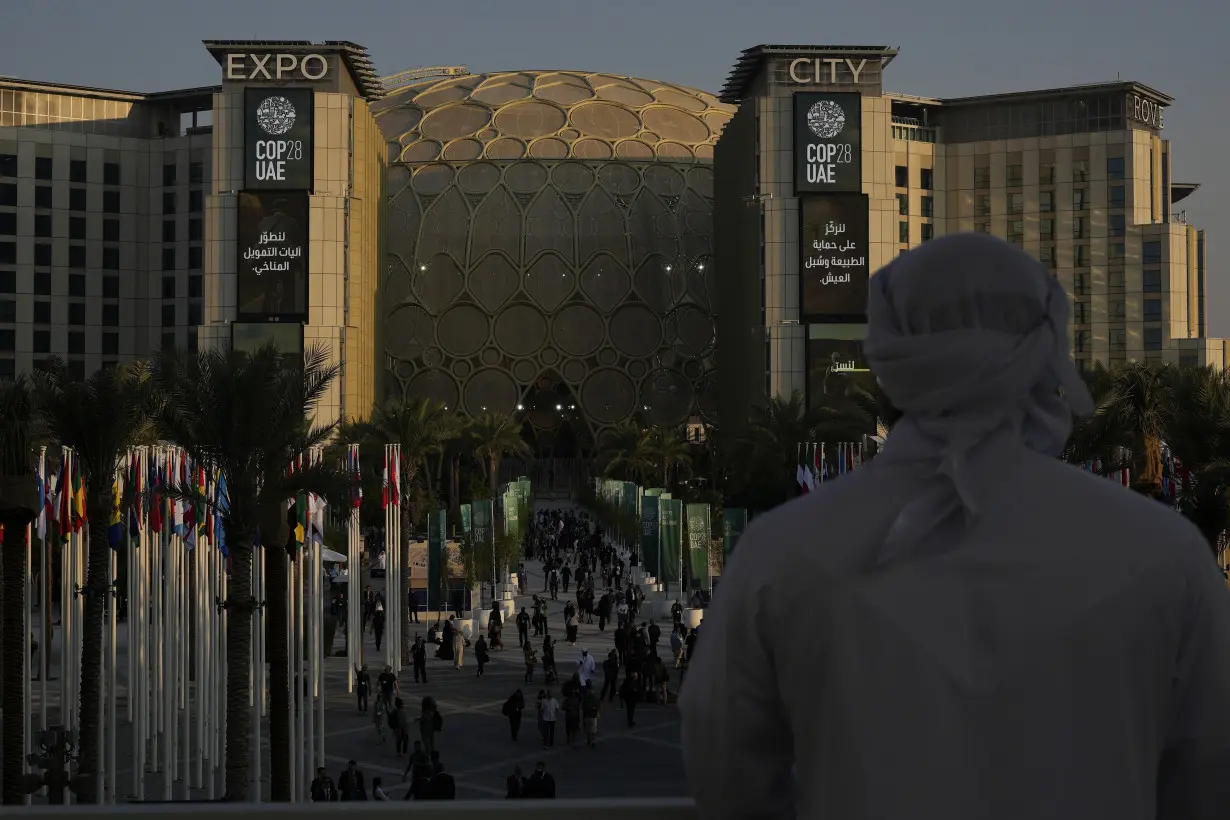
{"x": 41, "y": 526}
{"x": 812, "y": 479}
{"x": 222, "y": 505}
{"x": 356, "y": 492}
{"x": 817, "y": 470}
{"x": 64, "y": 516}
{"x": 300, "y": 517}
{"x": 396, "y": 481}
{"x": 155, "y": 495}
{"x": 115, "y": 524}
{"x": 78, "y": 488}
{"x": 800, "y": 472}
{"x": 384, "y": 483}
{"x": 210, "y": 492}
{"x": 318, "y": 519}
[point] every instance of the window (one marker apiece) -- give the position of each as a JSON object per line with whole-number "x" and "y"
{"x": 928, "y": 232}
{"x": 42, "y": 283}
{"x": 195, "y": 230}
{"x": 1189, "y": 360}
{"x": 168, "y": 258}
{"x": 1080, "y": 284}
{"x": 1016, "y": 203}
{"x": 1080, "y": 256}
{"x": 76, "y": 343}
{"x": 111, "y": 315}
{"x": 111, "y": 259}
{"x": 76, "y": 285}
{"x": 194, "y": 313}
{"x": 927, "y": 206}
{"x": 903, "y": 204}
{"x": 903, "y": 233}
{"x": 76, "y": 370}
{"x": 76, "y": 313}
{"x": 168, "y": 315}
{"x": 982, "y": 176}
{"x": 8, "y": 281}
{"x": 1115, "y": 196}
{"x": 194, "y": 287}
{"x": 8, "y": 224}
{"x": 168, "y": 287}
{"x": 1046, "y": 255}
{"x": 111, "y": 287}
{"x": 1116, "y": 252}
{"x": 111, "y": 344}
{"x": 1080, "y": 227}
{"x": 1151, "y": 253}
{"x": 1153, "y": 310}
{"x": 42, "y": 225}
{"x": 43, "y": 167}
{"x": 8, "y": 195}
{"x": 8, "y": 165}
{"x": 76, "y": 256}
{"x": 168, "y": 341}
{"x": 76, "y": 227}
{"x": 77, "y": 199}
{"x": 1080, "y": 170}
{"x": 1016, "y": 176}
{"x": 42, "y": 341}
{"x": 168, "y": 173}
{"x": 168, "y": 230}
{"x": 982, "y": 205}
{"x": 1016, "y": 231}
{"x": 196, "y": 202}
{"x": 1080, "y": 341}
{"x": 8, "y": 253}
{"x": 42, "y": 313}
{"x": 1046, "y": 201}
{"x": 196, "y": 256}
{"x": 1153, "y": 338}
{"x": 168, "y": 202}
{"x": 111, "y": 230}
{"x": 192, "y": 340}
{"x": 8, "y": 340}
{"x": 1114, "y": 168}
{"x": 1046, "y": 173}
{"x": 77, "y": 170}
{"x": 926, "y": 179}
{"x": 111, "y": 202}
{"x": 1046, "y": 230}
{"x": 1114, "y": 281}
{"x": 982, "y": 227}
{"x": 1117, "y": 339}
{"x": 43, "y": 197}
{"x": 8, "y": 310}
{"x": 111, "y": 173}
{"x": 1152, "y": 281}
{"x": 196, "y": 173}
{"x": 42, "y": 255}
{"x": 1117, "y": 309}
{"x": 903, "y": 176}
{"x": 1080, "y": 199}
{"x": 1080, "y": 313}
{"x": 1118, "y": 225}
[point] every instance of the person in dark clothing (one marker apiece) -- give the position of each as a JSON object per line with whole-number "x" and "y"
{"x": 388, "y": 687}
{"x": 621, "y": 645}
{"x": 540, "y": 785}
{"x": 322, "y": 788}
{"x": 350, "y": 783}
{"x": 442, "y": 785}
{"x": 418, "y": 656}
{"x": 516, "y": 784}
{"x": 362, "y": 686}
{"x": 655, "y": 634}
{"x": 513, "y": 707}
{"x": 419, "y": 765}
{"x": 630, "y": 693}
{"x": 481, "y": 656}
{"x": 523, "y": 627}
{"x": 610, "y": 674}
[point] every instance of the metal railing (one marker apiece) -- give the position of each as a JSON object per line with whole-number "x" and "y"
{"x": 641, "y": 809}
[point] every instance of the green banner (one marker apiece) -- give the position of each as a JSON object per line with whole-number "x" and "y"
{"x": 481, "y": 520}
{"x": 651, "y": 537}
{"x": 437, "y": 534}
{"x": 657, "y": 491}
{"x": 465, "y": 519}
{"x": 631, "y": 499}
{"x": 734, "y": 522}
{"x": 699, "y": 537}
{"x": 670, "y": 514}
{"x": 512, "y": 511}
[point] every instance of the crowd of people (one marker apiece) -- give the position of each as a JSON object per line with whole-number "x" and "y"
{"x": 593, "y": 577}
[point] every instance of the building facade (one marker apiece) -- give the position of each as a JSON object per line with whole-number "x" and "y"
{"x": 1079, "y": 177}
{"x": 582, "y": 248}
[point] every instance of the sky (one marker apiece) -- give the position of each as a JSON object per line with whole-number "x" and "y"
{"x": 948, "y": 48}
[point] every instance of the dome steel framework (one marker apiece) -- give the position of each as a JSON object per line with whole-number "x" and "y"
{"x": 550, "y": 233}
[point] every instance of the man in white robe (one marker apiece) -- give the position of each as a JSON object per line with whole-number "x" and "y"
{"x": 966, "y": 628}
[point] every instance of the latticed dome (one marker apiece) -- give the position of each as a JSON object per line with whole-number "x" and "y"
{"x": 548, "y": 233}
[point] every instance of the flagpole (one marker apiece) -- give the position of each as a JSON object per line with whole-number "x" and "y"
{"x": 27, "y": 712}
{"x": 44, "y": 656}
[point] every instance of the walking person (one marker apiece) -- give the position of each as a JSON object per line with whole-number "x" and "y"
{"x": 362, "y": 686}
{"x": 513, "y": 707}
{"x": 378, "y": 792}
{"x": 523, "y": 627}
{"x": 430, "y": 724}
{"x": 550, "y": 712}
{"x": 610, "y": 675}
{"x": 459, "y": 642}
{"x": 480, "y": 654}
{"x": 350, "y": 783}
{"x": 400, "y": 725}
{"x": 591, "y": 708}
{"x": 378, "y": 623}
{"x": 572, "y": 714}
{"x": 531, "y": 660}
{"x": 630, "y": 694}
{"x": 418, "y": 657}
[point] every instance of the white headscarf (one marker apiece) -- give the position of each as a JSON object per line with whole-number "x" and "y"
{"x": 968, "y": 337}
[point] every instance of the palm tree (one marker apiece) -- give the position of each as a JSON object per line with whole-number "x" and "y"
{"x": 247, "y": 417}
{"x": 1140, "y": 407}
{"x": 666, "y": 449}
{"x": 496, "y": 436}
{"x": 99, "y": 419}
{"x": 421, "y": 427}
{"x": 18, "y": 507}
{"x": 623, "y": 452}
{"x": 1198, "y": 435}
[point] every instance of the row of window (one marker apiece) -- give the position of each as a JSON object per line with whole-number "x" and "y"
{"x": 1116, "y": 311}
{"x": 110, "y": 285}
{"x": 1151, "y": 282}
{"x": 44, "y": 199}
{"x": 926, "y": 178}
{"x": 78, "y": 170}
{"x": 1116, "y": 199}
{"x": 110, "y": 256}
{"x": 43, "y": 228}
{"x": 1116, "y": 169}
{"x": 109, "y": 343}
{"x": 41, "y": 313}
{"x": 1082, "y": 340}
{"x": 926, "y": 205}
{"x": 926, "y": 232}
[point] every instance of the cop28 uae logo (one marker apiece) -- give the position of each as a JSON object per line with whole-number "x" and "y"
{"x": 825, "y": 119}
{"x": 275, "y": 115}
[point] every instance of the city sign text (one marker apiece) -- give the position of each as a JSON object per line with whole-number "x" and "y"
{"x": 824, "y": 70}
